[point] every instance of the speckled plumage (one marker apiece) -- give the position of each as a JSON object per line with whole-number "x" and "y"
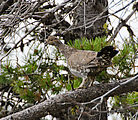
{"x": 84, "y": 63}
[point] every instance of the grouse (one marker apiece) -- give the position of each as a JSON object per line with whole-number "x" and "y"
{"x": 84, "y": 63}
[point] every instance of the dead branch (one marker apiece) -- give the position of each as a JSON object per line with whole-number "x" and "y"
{"x": 120, "y": 25}
{"x": 55, "y": 105}
{"x": 20, "y": 40}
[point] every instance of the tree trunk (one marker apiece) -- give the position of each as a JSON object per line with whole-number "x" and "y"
{"x": 89, "y": 18}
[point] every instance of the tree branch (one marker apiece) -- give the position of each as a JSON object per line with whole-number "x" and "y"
{"x": 4, "y": 5}
{"x": 20, "y": 40}
{"x": 55, "y": 105}
{"x": 120, "y": 25}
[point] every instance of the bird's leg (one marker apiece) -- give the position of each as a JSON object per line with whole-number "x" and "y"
{"x": 91, "y": 79}
{"x": 71, "y": 82}
{"x": 87, "y": 82}
{"x": 82, "y": 85}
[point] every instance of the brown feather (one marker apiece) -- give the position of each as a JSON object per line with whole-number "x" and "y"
{"x": 84, "y": 63}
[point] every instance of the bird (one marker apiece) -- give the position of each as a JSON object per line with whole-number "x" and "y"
{"x": 85, "y": 64}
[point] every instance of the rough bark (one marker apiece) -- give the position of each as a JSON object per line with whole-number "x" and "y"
{"x": 55, "y": 105}
{"x": 89, "y": 18}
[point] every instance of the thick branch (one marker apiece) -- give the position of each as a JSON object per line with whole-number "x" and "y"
{"x": 55, "y": 105}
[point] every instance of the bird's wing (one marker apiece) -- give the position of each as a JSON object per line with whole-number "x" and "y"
{"x": 83, "y": 58}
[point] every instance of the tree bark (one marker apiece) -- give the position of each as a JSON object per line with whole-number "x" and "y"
{"x": 55, "y": 105}
{"x": 88, "y": 19}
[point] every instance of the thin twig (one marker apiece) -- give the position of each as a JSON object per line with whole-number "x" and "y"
{"x": 120, "y": 25}
{"x": 82, "y": 110}
{"x": 20, "y": 41}
{"x": 84, "y": 18}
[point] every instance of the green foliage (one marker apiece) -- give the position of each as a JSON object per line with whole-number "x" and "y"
{"x": 5, "y": 77}
{"x": 33, "y": 80}
{"x": 126, "y": 101}
{"x": 74, "y": 82}
{"x": 132, "y": 98}
{"x": 125, "y": 60}
{"x": 85, "y": 44}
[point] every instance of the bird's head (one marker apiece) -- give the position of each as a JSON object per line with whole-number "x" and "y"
{"x": 107, "y": 52}
{"x": 52, "y": 40}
